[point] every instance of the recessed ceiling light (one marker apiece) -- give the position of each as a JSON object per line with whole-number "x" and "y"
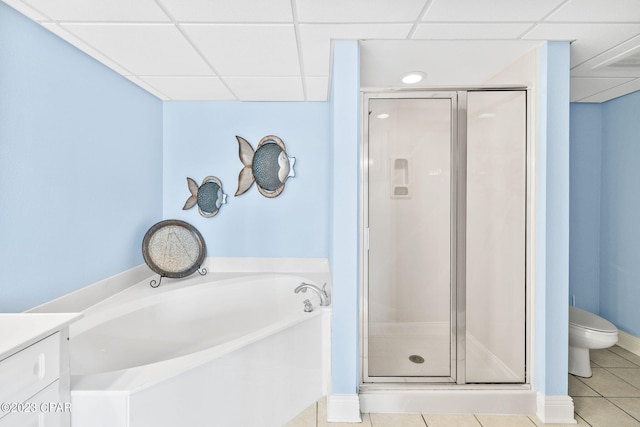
{"x": 383, "y": 116}
{"x": 413, "y": 77}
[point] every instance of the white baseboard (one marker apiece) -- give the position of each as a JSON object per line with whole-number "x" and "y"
{"x": 343, "y": 408}
{"x": 629, "y": 342}
{"x": 555, "y": 409}
{"x": 438, "y": 399}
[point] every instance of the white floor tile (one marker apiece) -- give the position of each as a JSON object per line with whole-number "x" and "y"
{"x": 608, "y": 359}
{"x": 397, "y": 420}
{"x": 630, "y": 405}
{"x": 634, "y": 358}
{"x": 579, "y": 388}
{"x": 505, "y": 421}
{"x": 629, "y": 375}
{"x": 438, "y": 420}
{"x": 306, "y": 418}
{"x": 609, "y": 385}
{"x": 600, "y": 412}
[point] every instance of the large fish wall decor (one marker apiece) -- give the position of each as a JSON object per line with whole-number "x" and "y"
{"x": 209, "y": 196}
{"x": 269, "y": 166}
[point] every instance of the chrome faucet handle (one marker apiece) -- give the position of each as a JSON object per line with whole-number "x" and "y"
{"x": 322, "y": 293}
{"x": 308, "y": 307}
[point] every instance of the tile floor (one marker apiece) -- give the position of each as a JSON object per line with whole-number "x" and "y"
{"x": 610, "y": 398}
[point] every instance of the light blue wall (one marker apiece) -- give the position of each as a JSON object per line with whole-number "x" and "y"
{"x": 80, "y": 166}
{"x": 200, "y": 140}
{"x": 345, "y": 102}
{"x": 552, "y": 222}
{"x": 584, "y": 245}
{"x": 82, "y": 171}
{"x": 605, "y": 205}
{"x": 620, "y": 210}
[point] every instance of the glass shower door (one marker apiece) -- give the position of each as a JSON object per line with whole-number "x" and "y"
{"x": 409, "y": 293}
{"x": 495, "y": 237}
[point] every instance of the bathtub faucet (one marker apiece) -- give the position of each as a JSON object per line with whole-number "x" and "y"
{"x": 324, "y": 296}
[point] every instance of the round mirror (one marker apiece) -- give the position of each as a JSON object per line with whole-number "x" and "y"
{"x": 173, "y": 248}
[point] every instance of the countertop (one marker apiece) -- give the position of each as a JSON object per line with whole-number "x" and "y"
{"x": 20, "y": 330}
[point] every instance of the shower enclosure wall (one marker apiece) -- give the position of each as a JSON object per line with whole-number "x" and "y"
{"x": 445, "y": 194}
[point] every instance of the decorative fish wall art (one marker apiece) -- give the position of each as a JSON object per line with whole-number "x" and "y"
{"x": 209, "y": 196}
{"x": 269, "y": 166}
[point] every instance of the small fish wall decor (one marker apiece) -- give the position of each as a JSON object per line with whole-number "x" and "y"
{"x": 269, "y": 166}
{"x": 209, "y": 196}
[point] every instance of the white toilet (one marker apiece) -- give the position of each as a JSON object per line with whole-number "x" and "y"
{"x": 587, "y": 331}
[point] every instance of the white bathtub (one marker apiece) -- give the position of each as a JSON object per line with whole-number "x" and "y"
{"x": 218, "y": 350}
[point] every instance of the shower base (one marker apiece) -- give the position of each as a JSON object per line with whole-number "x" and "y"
{"x": 400, "y": 388}
{"x": 393, "y": 345}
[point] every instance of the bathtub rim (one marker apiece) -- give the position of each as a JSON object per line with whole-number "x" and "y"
{"x": 121, "y": 304}
{"x": 83, "y": 298}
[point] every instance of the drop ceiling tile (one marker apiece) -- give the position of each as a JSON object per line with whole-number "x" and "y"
{"x": 317, "y": 88}
{"x": 352, "y": 11}
{"x": 597, "y": 11}
{"x": 229, "y": 11}
{"x": 496, "y": 11}
{"x": 599, "y": 66}
{"x": 266, "y": 88}
{"x": 315, "y": 40}
{"x": 143, "y": 49}
{"x": 196, "y": 88}
{"x": 624, "y": 89}
{"x": 255, "y": 46}
{"x": 242, "y": 50}
{"x": 590, "y": 39}
{"x": 486, "y": 31}
{"x": 26, "y": 10}
{"x": 101, "y": 11}
{"x": 584, "y": 87}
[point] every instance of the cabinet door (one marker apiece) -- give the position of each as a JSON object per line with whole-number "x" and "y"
{"x": 44, "y": 410}
{"x": 30, "y": 370}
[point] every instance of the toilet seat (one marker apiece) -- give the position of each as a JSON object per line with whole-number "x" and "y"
{"x": 583, "y": 319}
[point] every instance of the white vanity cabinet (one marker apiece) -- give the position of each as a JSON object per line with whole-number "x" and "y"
{"x": 34, "y": 370}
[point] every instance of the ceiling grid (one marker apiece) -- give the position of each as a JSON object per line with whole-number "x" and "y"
{"x": 252, "y": 50}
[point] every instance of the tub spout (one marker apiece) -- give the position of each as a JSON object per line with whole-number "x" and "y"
{"x": 325, "y": 299}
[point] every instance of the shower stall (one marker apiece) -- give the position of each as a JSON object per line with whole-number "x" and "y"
{"x": 444, "y": 239}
